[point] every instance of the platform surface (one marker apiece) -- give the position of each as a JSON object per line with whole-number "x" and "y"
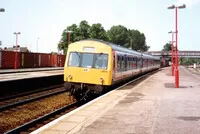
{"x": 29, "y": 74}
{"x": 5, "y": 71}
{"x": 154, "y": 106}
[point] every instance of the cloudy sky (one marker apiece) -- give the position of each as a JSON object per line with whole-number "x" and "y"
{"x": 47, "y": 19}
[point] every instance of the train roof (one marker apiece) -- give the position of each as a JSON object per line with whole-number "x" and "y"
{"x": 117, "y": 47}
{"x": 123, "y": 49}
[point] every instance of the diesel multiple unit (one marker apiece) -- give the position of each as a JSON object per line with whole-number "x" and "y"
{"x": 95, "y": 65}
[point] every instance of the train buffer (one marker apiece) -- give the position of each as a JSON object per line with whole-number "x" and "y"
{"x": 153, "y": 106}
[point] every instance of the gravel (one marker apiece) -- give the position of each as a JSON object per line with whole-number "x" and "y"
{"x": 27, "y": 112}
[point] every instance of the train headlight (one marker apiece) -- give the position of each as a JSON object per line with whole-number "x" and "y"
{"x": 101, "y": 79}
{"x": 70, "y": 76}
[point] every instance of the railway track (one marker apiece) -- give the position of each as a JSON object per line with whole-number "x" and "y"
{"x": 48, "y": 117}
{"x": 28, "y": 93}
{"x": 20, "y": 99}
{"x": 37, "y": 121}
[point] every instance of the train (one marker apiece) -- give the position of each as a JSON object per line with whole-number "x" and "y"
{"x": 93, "y": 66}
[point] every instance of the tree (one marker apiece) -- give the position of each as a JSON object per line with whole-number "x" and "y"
{"x": 189, "y": 61}
{"x": 137, "y": 41}
{"x": 84, "y": 29}
{"x": 97, "y": 32}
{"x": 167, "y": 47}
{"x": 77, "y": 33}
{"x": 118, "y": 35}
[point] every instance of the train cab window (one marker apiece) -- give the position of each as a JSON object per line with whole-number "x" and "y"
{"x": 101, "y": 61}
{"x": 74, "y": 59}
{"x": 87, "y": 60}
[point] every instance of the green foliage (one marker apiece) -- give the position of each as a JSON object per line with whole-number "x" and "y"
{"x": 119, "y": 35}
{"x": 167, "y": 47}
{"x": 97, "y": 32}
{"x": 189, "y": 61}
{"x": 137, "y": 41}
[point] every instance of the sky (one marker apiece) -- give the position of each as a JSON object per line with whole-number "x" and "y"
{"x": 46, "y": 20}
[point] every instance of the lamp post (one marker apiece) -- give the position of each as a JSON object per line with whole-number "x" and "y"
{"x": 37, "y": 43}
{"x": 176, "y": 50}
{"x": 16, "y": 33}
{"x": 60, "y": 53}
{"x": 2, "y": 10}
{"x": 68, "y": 35}
{"x": 172, "y": 51}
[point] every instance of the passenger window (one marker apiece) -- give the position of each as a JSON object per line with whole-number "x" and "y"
{"x": 118, "y": 63}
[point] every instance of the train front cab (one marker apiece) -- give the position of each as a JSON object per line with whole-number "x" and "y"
{"x": 88, "y": 65}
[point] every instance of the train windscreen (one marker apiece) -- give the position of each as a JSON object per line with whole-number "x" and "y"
{"x": 101, "y": 61}
{"x": 88, "y": 60}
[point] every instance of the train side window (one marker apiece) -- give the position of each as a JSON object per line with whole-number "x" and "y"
{"x": 130, "y": 60}
{"x": 118, "y": 63}
{"x": 122, "y": 63}
{"x": 125, "y": 62}
{"x": 136, "y": 62}
{"x": 132, "y": 64}
{"x": 141, "y": 63}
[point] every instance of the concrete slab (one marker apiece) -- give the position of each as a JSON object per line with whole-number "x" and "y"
{"x": 5, "y": 71}
{"x": 153, "y": 107}
{"x": 27, "y": 75}
{"x": 63, "y": 126}
{"x": 75, "y": 118}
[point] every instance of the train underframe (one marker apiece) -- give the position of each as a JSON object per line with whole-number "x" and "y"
{"x": 82, "y": 91}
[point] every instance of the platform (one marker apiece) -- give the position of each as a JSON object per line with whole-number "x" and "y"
{"x": 5, "y": 71}
{"x": 154, "y": 106}
{"x": 30, "y": 74}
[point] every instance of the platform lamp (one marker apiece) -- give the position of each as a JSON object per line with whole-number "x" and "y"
{"x": 172, "y": 51}
{"x": 16, "y": 33}
{"x": 176, "y": 52}
{"x": 68, "y": 35}
{"x": 37, "y": 43}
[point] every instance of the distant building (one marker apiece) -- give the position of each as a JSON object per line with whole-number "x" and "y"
{"x": 19, "y": 49}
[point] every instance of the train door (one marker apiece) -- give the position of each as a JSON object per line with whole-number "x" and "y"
{"x": 114, "y": 65}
